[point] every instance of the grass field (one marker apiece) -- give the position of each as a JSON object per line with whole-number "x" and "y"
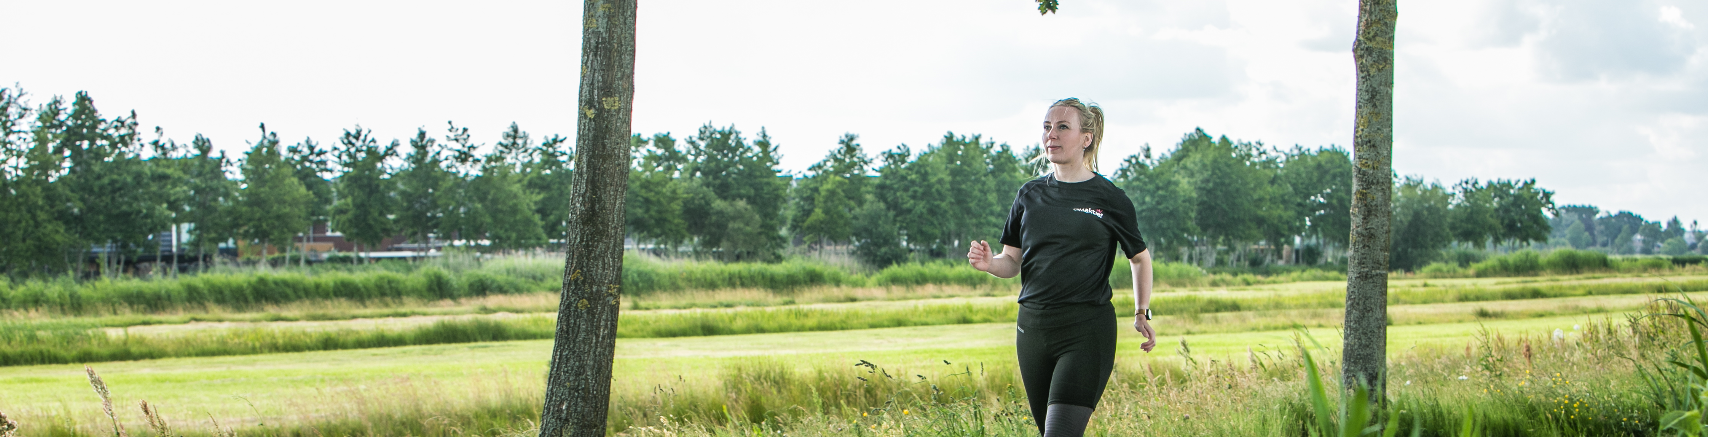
{"x": 798, "y": 375}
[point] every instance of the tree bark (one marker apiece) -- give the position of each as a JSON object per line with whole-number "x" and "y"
{"x": 578, "y": 384}
{"x": 1365, "y": 320}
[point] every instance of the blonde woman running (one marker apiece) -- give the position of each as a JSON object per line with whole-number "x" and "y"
{"x": 1061, "y": 237}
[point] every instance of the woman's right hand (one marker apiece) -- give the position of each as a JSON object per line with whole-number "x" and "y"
{"x": 980, "y": 255}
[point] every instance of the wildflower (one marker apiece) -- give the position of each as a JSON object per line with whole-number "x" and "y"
{"x": 905, "y": 411}
{"x": 1576, "y": 327}
{"x": 1409, "y": 382}
{"x": 1463, "y": 377}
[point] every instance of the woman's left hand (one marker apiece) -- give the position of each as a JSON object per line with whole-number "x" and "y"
{"x": 1145, "y": 328}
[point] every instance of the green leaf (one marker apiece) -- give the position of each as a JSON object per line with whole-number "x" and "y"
{"x": 1047, "y": 6}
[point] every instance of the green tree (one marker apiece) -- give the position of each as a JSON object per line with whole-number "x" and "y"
{"x": 212, "y": 212}
{"x": 1420, "y": 227}
{"x": 119, "y": 200}
{"x": 272, "y": 204}
{"x": 33, "y": 238}
{"x": 1521, "y": 209}
{"x": 826, "y": 199}
{"x": 366, "y": 199}
{"x": 654, "y": 209}
{"x": 874, "y": 232}
{"x": 1319, "y": 184}
{"x": 464, "y": 219}
{"x": 725, "y": 169}
{"x": 423, "y": 188}
{"x": 507, "y": 206}
{"x": 548, "y": 180}
{"x": 831, "y": 214}
{"x": 1235, "y": 199}
{"x": 312, "y": 165}
{"x": 1473, "y": 218}
{"x": 1163, "y": 202}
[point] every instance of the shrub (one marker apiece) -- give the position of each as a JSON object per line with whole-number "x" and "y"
{"x": 1525, "y": 262}
{"x": 1443, "y": 270}
{"x": 1569, "y": 261}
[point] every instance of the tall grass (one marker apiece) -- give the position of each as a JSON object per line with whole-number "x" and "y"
{"x": 1561, "y": 262}
{"x": 73, "y": 341}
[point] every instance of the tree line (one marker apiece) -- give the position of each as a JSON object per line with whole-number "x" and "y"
{"x": 82, "y": 186}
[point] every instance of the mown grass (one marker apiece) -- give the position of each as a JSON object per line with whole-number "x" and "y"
{"x": 49, "y": 342}
{"x": 1524, "y": 383}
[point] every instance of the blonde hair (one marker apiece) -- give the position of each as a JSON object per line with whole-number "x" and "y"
{"x": 1092, "y": 121}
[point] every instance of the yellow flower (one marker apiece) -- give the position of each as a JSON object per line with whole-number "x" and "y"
{"x": 905, "y": 412}
{"x": 863, "y": 414}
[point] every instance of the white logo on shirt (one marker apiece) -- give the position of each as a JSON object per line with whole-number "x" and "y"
{"x": 1096, "y": 212}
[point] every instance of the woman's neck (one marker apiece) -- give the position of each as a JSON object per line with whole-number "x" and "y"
{"x": 1071, "y": 172}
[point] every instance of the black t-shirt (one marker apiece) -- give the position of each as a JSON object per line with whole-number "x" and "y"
{"x": 1068, "y": 233}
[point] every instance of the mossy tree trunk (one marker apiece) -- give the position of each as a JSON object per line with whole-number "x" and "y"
{"x": 1365, "y": 331}
{"x": 578, "y": 384}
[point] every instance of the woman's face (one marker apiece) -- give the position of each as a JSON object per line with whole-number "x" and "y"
{"x": 1063, "y": 140}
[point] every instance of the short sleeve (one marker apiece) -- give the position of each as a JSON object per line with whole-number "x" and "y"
{"x": 1128, "y": 226}
{"x": 1012, "y": 227}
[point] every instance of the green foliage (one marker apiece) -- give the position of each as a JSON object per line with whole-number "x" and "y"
{"x": 365, "y": 192}
{"x": 548, "y": 177}
{"x": 734, "y": 204}
{"x": 878, "y": 240}
{"x": 1419, "y": 228}
{"x": 653, "y": 209}
{"x": 273, "y": 205}
{"x": 424, "y": 187}
{"x": 1680, "y": 389}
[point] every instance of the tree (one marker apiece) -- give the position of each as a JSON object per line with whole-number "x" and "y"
{"x": 578, "y": 382}
{"x": 826, "y": 199}
{"x": 654, "y": 209}
{"x": 119, "y": 200}
{"x": 1473, "y": 219}
{"x": 312, "y": 165}
{"x": 214, "y": 200}
{"x": 547, "y": 178}
{"x": 1420, "y": 225}
{"x": 506, "y": 205}
{"x": 1520, "y": 210}
{"x": 423, "y": 185}
{"x": 365, "y": 193}
{"x": 1365, "y": 320}
{"x": 725, "y": 169}
{"x": 463, "y": 218}
{"x": 830, "y": 219}
{"x": 1163, "y": 202}
{"x": 875, "y": 234}
{"x": 33, "y": 236}
{"x": 273, "y": 205}
{"x": 1319, "y": 183}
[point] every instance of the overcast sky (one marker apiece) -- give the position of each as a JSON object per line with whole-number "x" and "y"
{"x": 1603, "y": 101}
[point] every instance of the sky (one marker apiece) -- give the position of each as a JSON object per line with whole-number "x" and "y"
{"x": 1603, "y": 102}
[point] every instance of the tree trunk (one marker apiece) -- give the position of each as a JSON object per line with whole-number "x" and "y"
{"x": 1368, "y": 259}
{"x": 578, "y": 384}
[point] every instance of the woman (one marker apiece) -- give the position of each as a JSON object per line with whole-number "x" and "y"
{"x": 1062, "y": 233}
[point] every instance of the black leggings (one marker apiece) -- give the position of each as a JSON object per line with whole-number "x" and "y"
{"x": 1065, "y": 354}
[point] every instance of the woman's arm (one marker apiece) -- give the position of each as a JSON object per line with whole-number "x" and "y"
{"x": 1141, "y": 267}
{"x": 1004, "y": 265}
